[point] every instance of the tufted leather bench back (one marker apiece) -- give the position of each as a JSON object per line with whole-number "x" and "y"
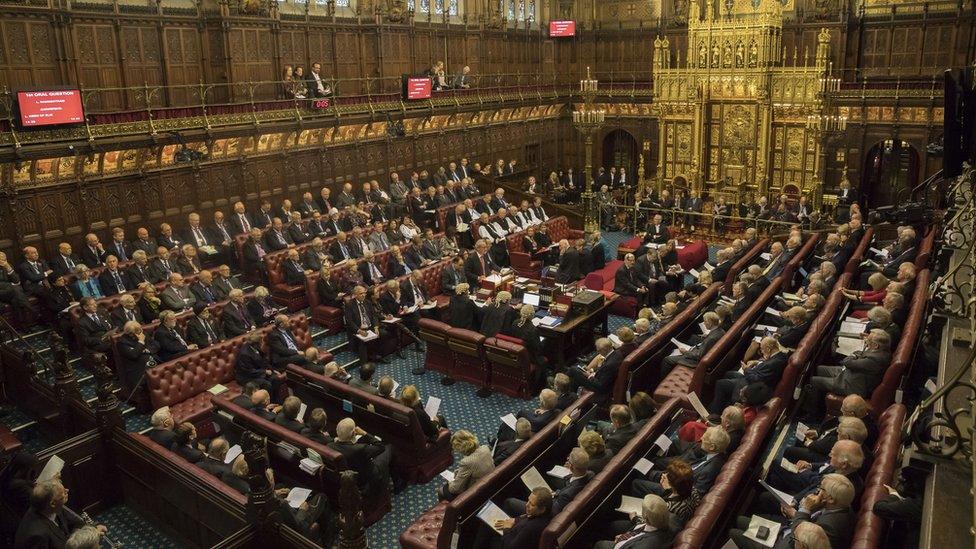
{"x": 738, "y": 473}
{"x": 561, "y": 529}
{"x": 870, "y": 528}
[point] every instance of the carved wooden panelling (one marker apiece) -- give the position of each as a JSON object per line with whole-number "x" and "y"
{"x": 99, "y": 64}
{"x": 347, "y": 57}
{"x": 320, "y": 49}
{"x": 183, "y": 58}
{"x": 28, "y": 57}
{"x": 143, "y": 64}
{"x": 396, "y": 53}
{"x": 292, "y": 48}
{"x": 251, "y": 62}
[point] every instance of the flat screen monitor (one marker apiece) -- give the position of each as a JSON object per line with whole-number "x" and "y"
{"x": 559, "y": 29}
{"x": 50, "y": 107}
{"x": 530, "y": 299}
{"x": 417, "y": 87}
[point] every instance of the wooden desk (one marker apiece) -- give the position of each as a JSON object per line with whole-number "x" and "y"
{"x": 574, "y": 337}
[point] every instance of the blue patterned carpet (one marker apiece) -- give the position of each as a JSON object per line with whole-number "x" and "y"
{"x": 130, "y": 529}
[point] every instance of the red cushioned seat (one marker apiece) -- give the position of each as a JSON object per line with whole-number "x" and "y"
{"x": 324, "y": 315}
{"x": 422, "y": 533}
{"x": 676, "y": 384}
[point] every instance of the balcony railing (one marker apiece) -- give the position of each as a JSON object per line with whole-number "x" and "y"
{"x": 155, "y": 109}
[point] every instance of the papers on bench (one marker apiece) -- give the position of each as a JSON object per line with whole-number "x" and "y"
{"x": 851, "y": 328}
{"x": 232, "y": 454}
{"x": 433, "y": 405}
{"x": 766, "y": 255}
{"x": 643, "y": 465}
{"x": 533, "y": 479}
{"x": 494, "y": 279}
{"x": 297, "y": 496}
{"x": 780, "y": 496}
{"x": 558, "y": 471}
{"x": 51, "y": 469}
{"x": 509, "y": 420}
{"x": 217, "y": 389}
{"x": 770, "y": 529}
{"x": 550, "y": 321}
{"x": 370, "y": 335}
{"x": 681, "y": 346}
{"x": 630, "y": 504}
{"x": 847, "y": 346}
{"x": 447, "y": 475}
{"x": 490, "y": 514}
{"x": 309, "y": 465}
{"x": 696, "y": 403}
{"x": 772, "y": 311}
{"x": 664, "y": 443}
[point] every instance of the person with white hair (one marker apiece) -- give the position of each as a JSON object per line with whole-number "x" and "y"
{"x": 365, "y": 454}
{"x": 652, "y": 532}
{"x": 48, "y": 522}
{"x": 768, "y": 370}
{"x": 846, "y": 459}
{"x": 860, "y": 373}
{"x": 578, "y": 462}
{"x": 691, "y": 356}
{"x": 600, "y": 374}
{"x": 162, "y": 427}
{"x": 706, "y": 460}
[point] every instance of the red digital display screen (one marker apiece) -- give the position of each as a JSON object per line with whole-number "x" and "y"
{"x": 562, "y": 28}
{"x": 419, "y": 88}
{"x": 46, "y": 108}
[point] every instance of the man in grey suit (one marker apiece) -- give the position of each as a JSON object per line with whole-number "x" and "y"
{"x": 177, "y": 297}
{"x": 691, "y": 357}
{"x": 452, "y": 275}
{"x": 858, "y": 374}
{"x": 623, "y": 429}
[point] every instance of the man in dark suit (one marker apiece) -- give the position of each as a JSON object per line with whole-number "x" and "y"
{"x": 288, "y": 416}
{"x": 113, "y": 280}
{"x": 283, "y": 347}
{"x": 339, "y": 250}
{"x": 213, "y": 462}
{"x": 167, "y": 238}
{"x": 370, "y": 269}
{"x": 163, "y": 266}
{"x": 64, "y": 262}
{"x": 767, "y": 371}
{"x": 858, "y": 374}
{"x": 360, "y": 318}
{"x": 540, "y": 417}
{"x": 224, "y": 282}
{"x": 276, "y": 238}
{"x": 172, "y": 343}
{"x": 706, "y": 460}
{"x": 263, "y": 218}
{"x": 254, "y": 251}
{"x": 126, "y": 311}
{"x": 525, "y": 529}
{"x": 652, "y": 532}
{"x": 240, "y": 221}
{"x": 623, "y": 428}
{"x": 478, "y": 265}
{"x": 47, "y": 523}
{"x": 32, "y": 271}
{"x": 293, "y": 270}
{"x": 144, "y": 242}
{"x": 627, "y": 281}
{"x": 600, "y": 374}
{"x": 505, "y": 448}
{"x": 201, "y": 330}
{"x": 369, "y": 457}
{"x": 498, "y": 200}
{"x": 569, "y": 263}
{"x": 251, "y": 365}
{"x": 140, "y": 271}
{"x": 93, "y": 328}
{"x": 118, "y": 246}
{"x": 234, "y": 317}
{"x": 691, "y": 356}
{"x": 93, "y": 253}
{"x": 452, "y": 275}
{"x": 577, "y": 462}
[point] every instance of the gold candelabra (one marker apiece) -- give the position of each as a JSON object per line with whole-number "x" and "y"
{"x": 588, "y": 120}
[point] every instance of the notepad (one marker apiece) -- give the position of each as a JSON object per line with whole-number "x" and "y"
{"x": 533, "y": 479}
{"x": 309, "y": 465}
{"x": 681, "y": 346}
{"x": 847, "y": 346}
{"x": 788, "y": 465}
{"x": 509, "y": 420}
{"x": 301, "y": 412}
{"x": 217, "y": 389}
{"x": 297, "y": 496}
{"x": 447, "y": 475}
{"x": 630, "y": 504}
{"x": 664, "y": 443}
{"x": 801, "y": 431}
{"x": 772, "y": 311}
{"x": 232, "y": 453}
{"x": 852, "y": 327}
{"x": 490, "y": 514}
{"x": 696, "y": 403}
{"x": 313, "y": 455}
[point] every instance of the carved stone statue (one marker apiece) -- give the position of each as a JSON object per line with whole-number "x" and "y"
{"x": 740, "y": 55}
{"x": 753, "y": 54}
{"x": 715, "y": 56}
{"x": 727, "y": 55}
{"x": 702, "y": 55}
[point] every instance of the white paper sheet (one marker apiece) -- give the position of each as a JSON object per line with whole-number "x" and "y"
{"x": 558, "y": 471}
{"x": 533, "y": 479}
{"x": 301, "y": 412}
{"x": 694, "y": 273}
{"x": 696, "y": 403}
{"x": 630, "y": 504}
{"x": 509, "y": 420}
{"x": 681, "y": 346}
{"x": 615, "y": 340}
{"x": 788, "y": 465}
{"x": 766, "y": 255}
{"x": 852, "y": 327}
{"x": 801, "y": 431}
{"x": 847, "y": 346}
{"x": 772, "y": 311}
{"x": 780, "y": 496}
{"x": 370, "y": 335}
{"x": 433, "y": 405}
{"x": 643, "y": 465}
{"x": 232, "y": 453}
{"x": 447, "y": 475}
{"x": 758, "y": 522}
{"x": 297, "y": 496}
{"x": 663, "y": 442}
{"x": 491, "y": 513}
{"x": 51, "y": 469}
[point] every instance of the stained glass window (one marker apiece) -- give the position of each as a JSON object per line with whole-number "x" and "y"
{"x": 424, "y": 6}
{"x": 338, "y": 3}
{"x": 455, "y": 7}
{"x": 412, "y": 4}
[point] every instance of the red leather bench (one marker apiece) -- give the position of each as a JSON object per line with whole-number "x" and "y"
{"x": 183, "y": 383}
{"x": 903, "y": 354}
{"x": 439, "y": 357}
{"x": 416, "y": 458}
{"x": 470, "y": 363}
{"x": 438, "y": 526}
{"x": 563, "y": 528}
{"x": 691, "y": 256}
{"x": 738, "y": 474}
{"x": 233, "y": 418}
{"x": 870, "y": 528}
{"x": 512, "y": 369}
